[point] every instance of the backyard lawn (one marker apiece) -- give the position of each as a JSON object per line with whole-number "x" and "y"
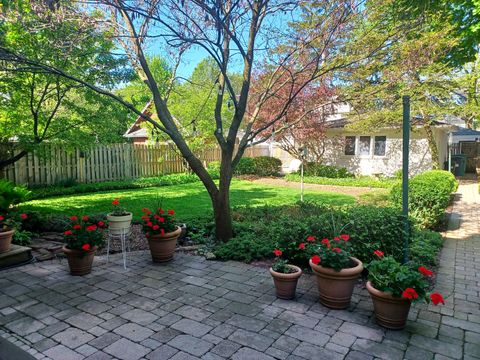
{"x": 188, "y": 200}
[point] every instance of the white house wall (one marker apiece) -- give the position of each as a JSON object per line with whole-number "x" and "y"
{"x": 420, "y": 157}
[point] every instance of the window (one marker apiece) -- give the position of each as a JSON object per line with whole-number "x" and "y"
{"x": 380, "y": 142}
{"x": 364, "y": 145}
{"x": 349, "y": 145}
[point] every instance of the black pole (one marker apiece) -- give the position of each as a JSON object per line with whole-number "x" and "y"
{"x": 406, "y": 146}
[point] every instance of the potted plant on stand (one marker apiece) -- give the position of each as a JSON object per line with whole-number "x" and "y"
{"x": 82, "y": 239}
{"x": 162, "y": 233}
{"x": 285, "y": 276}
{"x": 394, "y": 286}
{"x": 336, "y": 271}
{"x": 9, "y": 223}
{"x": 119, "y": 219}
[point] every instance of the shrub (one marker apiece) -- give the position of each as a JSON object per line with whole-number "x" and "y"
{"x": 328, "y": 171}
{"x": 429, "y": 196}
{"x": 245, "y": 166}
{"x": 267, "y": 166}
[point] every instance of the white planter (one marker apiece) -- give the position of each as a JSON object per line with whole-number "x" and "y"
{"x": 118, "y": 225}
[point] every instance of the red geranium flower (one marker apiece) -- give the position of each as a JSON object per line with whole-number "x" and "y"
{"x": 86, "y": 247}
{"x": 145, "y": 218}
{"x": 301, "y": 246}
{"x": 424, "y": 271}
{"x": 149, "y": 224}
{"x": 77, "y": 226}
{"x": 311, "y": 238}
{"x": 101, "y": 224}
{"x": 378, "y": 253}
{"x": 24, "y": 216}
{"x": 73, "y": 218}
{"x": 325, "y": 241}
{"x": 145, "y": 210}
{"x": 85, "y": 218}
{"x": 161, "y": 219}
{"x": 345, "y": 237}
{"x": 91, "y": 228}
{"x": 161, "y": 211}
{"x": 338, "y": 250}
{"x": 437, "y": 298}
{"x": 277, "y": 252}
{"x": 410, "y": 293}
{"x": 155, "y": 227}
{"x": 336, "y": 238}
{"x": 315, "y": 259}
{"x": 162, "y": 232}
{"x": 171, "y": 212}
{"x": 1, "y": 218}
{"x": 68, "y": 232}
{"x": 115, "y": 202}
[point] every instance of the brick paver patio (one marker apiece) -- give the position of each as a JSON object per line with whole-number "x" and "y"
{"x": 193, "y": 308}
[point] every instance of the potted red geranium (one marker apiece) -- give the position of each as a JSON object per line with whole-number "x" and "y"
{"x": 285, "y": 276}
{"x": 119, "y": 219}
{"x": 336, "y": 271}
{"x": 82, "y": 239}
{"x": 9, "y": 223}
{"x": 394, "y": 286}
{"x": 162, "y": 233}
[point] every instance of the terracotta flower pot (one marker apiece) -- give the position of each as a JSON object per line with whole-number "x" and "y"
{"x": 80, "y": 261}
{"x": 119, "y": 225}
{"x": 336, "y": 287}
{"x": 286, "y": 284}
{"x": 391, "y": 312}
{"x": 6, "y": 240}
{"x": 163, "y": 247}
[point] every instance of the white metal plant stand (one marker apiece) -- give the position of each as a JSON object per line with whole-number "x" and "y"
{"x": 124, "y": 237}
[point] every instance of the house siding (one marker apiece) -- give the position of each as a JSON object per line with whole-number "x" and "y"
{"x": 420, "y": 157}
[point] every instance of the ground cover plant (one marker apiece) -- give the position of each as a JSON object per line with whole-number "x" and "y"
{"x": 287, "y": 227}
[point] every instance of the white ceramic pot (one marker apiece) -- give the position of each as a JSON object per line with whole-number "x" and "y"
{"x": 118, "y": 225}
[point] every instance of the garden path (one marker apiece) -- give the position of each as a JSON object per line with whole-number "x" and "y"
{"x": 197, "y": 309}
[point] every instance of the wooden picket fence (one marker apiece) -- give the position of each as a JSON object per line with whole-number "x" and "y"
{"x": 51, "y": 165}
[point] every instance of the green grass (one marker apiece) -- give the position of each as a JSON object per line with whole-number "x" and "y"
{"x": 363, "y": 181}
{"x": 188, "y": 200}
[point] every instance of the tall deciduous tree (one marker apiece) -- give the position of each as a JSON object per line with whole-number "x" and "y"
{"x": 294, "y": 43}
{"x": 38, "y": 106}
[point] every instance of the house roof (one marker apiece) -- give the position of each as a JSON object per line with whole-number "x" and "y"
{"x": 135, "y": 130}
{"x": 415, "y": 121}
{"x": 466, "y": 132}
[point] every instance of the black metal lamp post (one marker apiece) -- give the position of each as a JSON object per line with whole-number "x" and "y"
{"x": 406, "y": 148}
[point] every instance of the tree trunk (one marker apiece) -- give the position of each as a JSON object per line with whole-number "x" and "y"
{"x": 12, "y": 160}
{"x": 221, "y": 201}
{"x": 432, "y": 145}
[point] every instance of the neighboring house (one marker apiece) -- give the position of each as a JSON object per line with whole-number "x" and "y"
{"x": 136, "y": 132}
{"x": 380, "y": 152}
{"x": 467, "y": 142}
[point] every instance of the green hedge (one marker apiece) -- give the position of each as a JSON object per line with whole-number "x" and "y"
{"x": 259, "y": 230}
{"x": 429, "y": 196}
{"x": 261, "y": 166}
{"x": 327, "y": 171}
{"x": 163, "y": 180}
{"x": 362, "y": 181}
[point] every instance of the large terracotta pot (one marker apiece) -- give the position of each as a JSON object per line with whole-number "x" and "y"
{"x": 336, "y": 287}
{"x": 119, "y": 225}
{"x": 6, "y": 240}
{"x": 163, "y": 247}
{"x": 80, "y": 261}
{"x": 286, "y": 284}
{"x": 391, "y": 312}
